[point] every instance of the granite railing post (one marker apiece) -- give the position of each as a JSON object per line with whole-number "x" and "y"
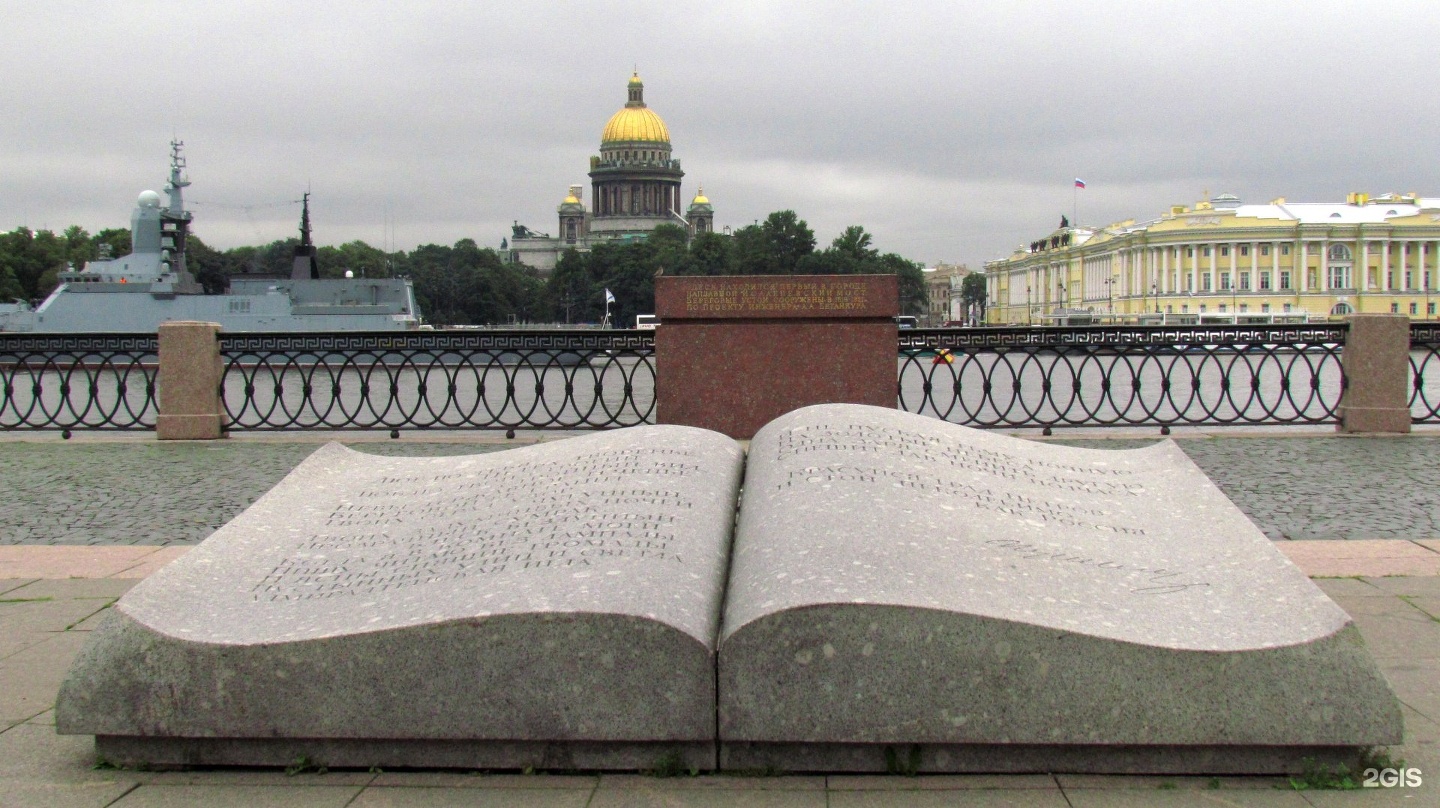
{"x": 1376, "y": 360}
{"x": 189, "y": 382}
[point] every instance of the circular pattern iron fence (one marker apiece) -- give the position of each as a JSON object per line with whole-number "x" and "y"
{"x": 1132, "y": 376}
{"x": 69, "y": 382}
{"x": 1425, "y": 373}
{"x": 485, "y": 380}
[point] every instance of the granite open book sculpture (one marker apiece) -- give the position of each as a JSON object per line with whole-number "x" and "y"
{"x": 900, "y": 593}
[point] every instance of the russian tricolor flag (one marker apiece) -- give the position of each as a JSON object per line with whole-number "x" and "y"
{"x": 1079, "y": 183}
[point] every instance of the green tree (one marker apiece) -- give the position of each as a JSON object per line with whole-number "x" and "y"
{"x": 751, "y": 254}
{"x": 211, "y": 268}
{"x": 570, "y": 291}
{"x": 789, "y": 237}
{"x": 628, "y": 271}
{"x": 32, "y": 259}
{"x": 437, "y": 290}
{"x": 914, "y": 299}
{"x": 356, "y": 256}
{"x": 79, "y": 247}
{"x": 710, "y": 254}
{"x": 10, "y": 288}
{"x": 671, "y": 247}
{"x": 774, "y": 247}
{"x": 117, "y": 239}
{"x": 972, "y": 293}
{"x": 854, "y": 243}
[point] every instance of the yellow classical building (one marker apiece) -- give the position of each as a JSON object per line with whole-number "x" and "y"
{"x": 1230, "y": 261}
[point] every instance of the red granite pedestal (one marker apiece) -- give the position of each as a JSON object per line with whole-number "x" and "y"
{"x": 734, "y": 352}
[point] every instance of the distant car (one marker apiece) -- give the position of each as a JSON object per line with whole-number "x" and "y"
{"x": 906, "y": 321}
{"x": 646, "y": 322}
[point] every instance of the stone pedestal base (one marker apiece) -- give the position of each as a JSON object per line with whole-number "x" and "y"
{"x": 1377, "y": 368}
{"x": 188, "y": 427}
{"x": 1033, "y": 758}
{"x": 190, "y": 373}
{"x": 1374, "y": 419}
{"x": 734, "y": 352}
{"x": 736, "y": 377}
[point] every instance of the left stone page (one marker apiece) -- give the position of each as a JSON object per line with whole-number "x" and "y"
{"x": 565, "y": 593}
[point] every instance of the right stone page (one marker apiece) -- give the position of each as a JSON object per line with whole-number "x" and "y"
{"x": 910, "y": 594}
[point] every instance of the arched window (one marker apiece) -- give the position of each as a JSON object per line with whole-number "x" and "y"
{"x": 1342, "y": 308}
{"x": 1339, "y": 252}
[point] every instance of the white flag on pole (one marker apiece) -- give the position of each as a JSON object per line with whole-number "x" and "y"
{"x": 609, "y": 298}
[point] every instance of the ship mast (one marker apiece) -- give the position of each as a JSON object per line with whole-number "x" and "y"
{"x": 175, "y": 222}
{"x": 305, "y": 266}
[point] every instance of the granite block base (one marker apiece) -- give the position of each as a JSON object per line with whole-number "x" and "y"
{"x": 362, "y": 753}
{"x": 1033, "y": 758}
{"x": 187, "y": 427}
{"x": 1374, "y": 419}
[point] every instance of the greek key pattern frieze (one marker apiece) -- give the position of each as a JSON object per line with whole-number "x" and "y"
{"x": 923, "y": 338}
{"x": 442, "y": 341}
{"x": 11, "y": 344}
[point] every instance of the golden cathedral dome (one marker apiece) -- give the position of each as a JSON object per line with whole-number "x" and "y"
{"x": 635, "y": 122}
{"x": 700, "y": 198}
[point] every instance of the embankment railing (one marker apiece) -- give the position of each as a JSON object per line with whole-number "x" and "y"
{"x": 1425, "y": 372}
{"x": 1160, "y": 376}
{"x": 506, "y": 380}
{"x": 1125, "y": 376}
{"x": 78, "y": 381}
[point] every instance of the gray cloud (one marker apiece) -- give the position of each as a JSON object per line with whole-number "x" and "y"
{"x": 952, "y": 131}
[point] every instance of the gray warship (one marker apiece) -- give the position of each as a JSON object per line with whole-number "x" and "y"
{"x": 135, "y": 293}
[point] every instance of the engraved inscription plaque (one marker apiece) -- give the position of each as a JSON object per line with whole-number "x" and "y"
{"x": 771, "y": 297}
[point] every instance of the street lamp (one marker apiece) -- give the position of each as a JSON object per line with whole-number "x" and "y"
{"x": 1027, "y": 304}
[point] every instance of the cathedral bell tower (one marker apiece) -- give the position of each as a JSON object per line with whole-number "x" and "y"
{"x": 701, "y": 214}
{"x": 573, "y": 225}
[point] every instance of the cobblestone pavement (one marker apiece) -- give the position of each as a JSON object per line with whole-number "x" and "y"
{"x": 99, "y": 493}
{"x": 1323, "y": 487}
{"x": 150, "y": 493}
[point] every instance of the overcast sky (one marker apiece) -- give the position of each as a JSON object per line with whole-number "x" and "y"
{"x": 952, "y": 131}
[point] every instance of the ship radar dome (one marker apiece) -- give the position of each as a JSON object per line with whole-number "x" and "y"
{"x": 148, "y": 199}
